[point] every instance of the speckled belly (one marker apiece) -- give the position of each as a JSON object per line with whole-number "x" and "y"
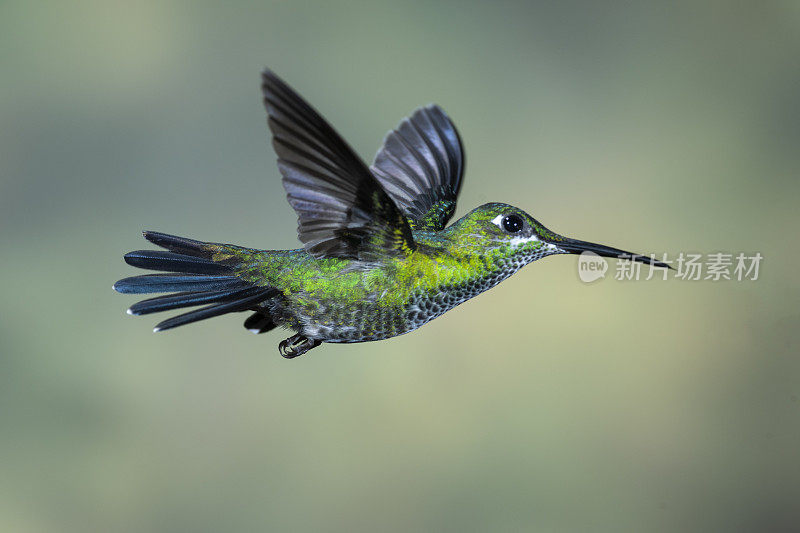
{"x": 371, "y": 321}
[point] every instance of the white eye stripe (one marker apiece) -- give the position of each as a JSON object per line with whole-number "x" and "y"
{"x": 498, "y": 221}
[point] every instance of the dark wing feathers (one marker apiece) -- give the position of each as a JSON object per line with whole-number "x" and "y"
{"x": 420, "y": 165}
{"x": 342, "y": 209}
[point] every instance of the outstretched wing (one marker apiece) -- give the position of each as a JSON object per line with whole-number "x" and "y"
{"x": 342, "y": 209}
{"x": 420, "y": 165}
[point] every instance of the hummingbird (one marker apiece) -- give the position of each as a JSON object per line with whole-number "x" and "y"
{"x": 378, "y": 257}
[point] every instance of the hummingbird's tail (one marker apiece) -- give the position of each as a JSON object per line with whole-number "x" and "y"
{"x": 198, "y": 273}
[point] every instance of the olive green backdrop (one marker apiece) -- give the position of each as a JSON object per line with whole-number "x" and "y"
{"x": 544, "y": 405}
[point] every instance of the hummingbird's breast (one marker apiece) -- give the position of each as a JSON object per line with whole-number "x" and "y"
{"x": 393, "y": 298}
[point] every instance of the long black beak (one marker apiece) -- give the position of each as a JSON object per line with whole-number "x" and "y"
{"x": 574, "y": 246}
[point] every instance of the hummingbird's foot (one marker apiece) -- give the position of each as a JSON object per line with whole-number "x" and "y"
{"x": 296, "y": 345}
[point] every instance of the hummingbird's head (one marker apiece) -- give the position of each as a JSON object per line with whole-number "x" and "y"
{"x": 509, "y": 232}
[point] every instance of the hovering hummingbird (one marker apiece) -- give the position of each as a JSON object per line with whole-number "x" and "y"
{"x": 378, "y": 259}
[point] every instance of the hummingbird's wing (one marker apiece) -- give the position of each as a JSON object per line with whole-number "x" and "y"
{"x": 341, "y": 208}
{"x": 420, "y": 165}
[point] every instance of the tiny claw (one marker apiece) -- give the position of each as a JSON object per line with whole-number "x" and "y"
{"x": 296, "y": 345}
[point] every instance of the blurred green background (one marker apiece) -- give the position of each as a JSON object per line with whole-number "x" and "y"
{"x": 544, "y": 405}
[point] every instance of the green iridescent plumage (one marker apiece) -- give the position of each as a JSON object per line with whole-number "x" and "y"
{"x": 378, "y": 259}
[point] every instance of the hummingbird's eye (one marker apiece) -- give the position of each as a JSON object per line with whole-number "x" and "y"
{"x": 513, "y": 223}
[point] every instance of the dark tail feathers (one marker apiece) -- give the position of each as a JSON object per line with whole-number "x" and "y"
{"x": 195, "y": 277}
